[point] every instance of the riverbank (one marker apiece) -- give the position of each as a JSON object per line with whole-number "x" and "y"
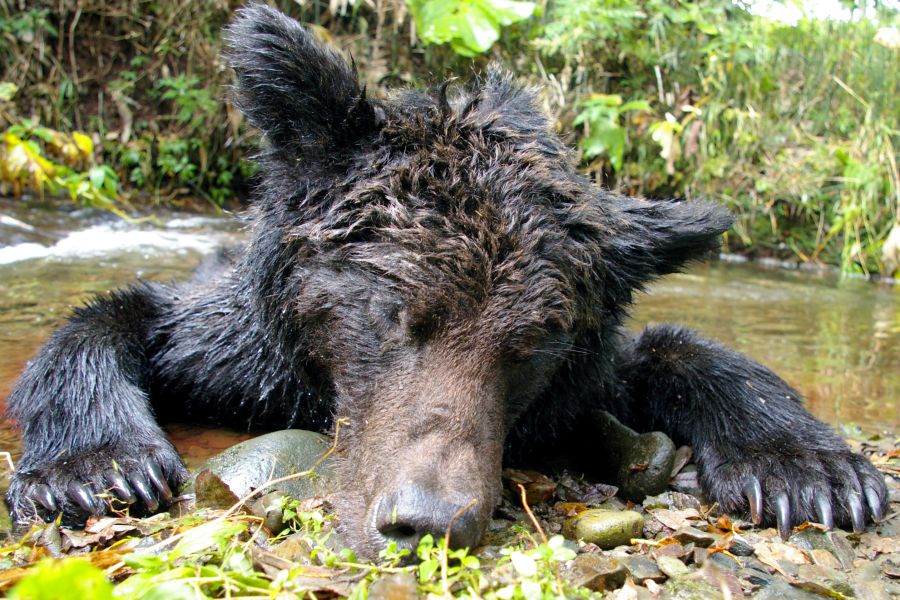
{"x": 674, "y": 546}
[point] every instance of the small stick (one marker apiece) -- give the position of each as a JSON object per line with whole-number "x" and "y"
{"x": 531, "y": 516}
{"x": 444, "y": 558}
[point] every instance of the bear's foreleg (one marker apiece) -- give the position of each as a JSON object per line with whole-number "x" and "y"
{"x": 754, "y": 442}
{"x": 90, "y": 437}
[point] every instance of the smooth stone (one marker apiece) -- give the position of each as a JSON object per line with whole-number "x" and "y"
{"x": 780, "y": 589}
{"x": 395, "y": 586}
{"x": 671, "y": 566}
{"x": 740, "y": 547}
{"x": 245, "y": 467}
{"x": 832, "y": 541}
{"x": 725, "y": 562}
{"x": 692, "y": 535}
{"x": 645, "y": 460}
{"x": 690, "y": 588}
{"x": 822, "y": 580}
{"x": 642, "y": 568}
{"x": 596, "y": 572}
{"x": 605, "y": 528}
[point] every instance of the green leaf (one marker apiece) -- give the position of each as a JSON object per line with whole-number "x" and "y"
{"x": 67, "y": 578}
{"x": 608, "y": 138}
{"x": 523, "y": 564}
{"x": 97, "y": 176}
{"x": 507, "y": 12}
{"x": 477, "y": 28}
{"x": 635, "y": 105}
{"x": 202, "y": 537}
{"x": 7, "y": 91}
{"x": 173, "y": 590}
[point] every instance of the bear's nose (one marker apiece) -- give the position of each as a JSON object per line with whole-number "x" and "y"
{"x": 412, "y": 511}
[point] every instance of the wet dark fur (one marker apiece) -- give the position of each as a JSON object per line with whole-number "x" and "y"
{"x": 432, "y": 268}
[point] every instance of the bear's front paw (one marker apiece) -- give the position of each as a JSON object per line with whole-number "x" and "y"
{"x": 106, "y": 480}
{"x": 789, "y": 487}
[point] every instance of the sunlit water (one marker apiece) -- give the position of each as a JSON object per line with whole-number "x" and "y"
{"x": 836, "y": 341}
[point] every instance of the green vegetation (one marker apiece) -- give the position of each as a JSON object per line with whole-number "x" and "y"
{"x": 793, "y": 127}
{"x": 219, "y": 555}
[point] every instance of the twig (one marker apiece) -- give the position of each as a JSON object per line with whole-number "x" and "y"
{"x": 531, "y": 516}
{"x": 444, "y": 555}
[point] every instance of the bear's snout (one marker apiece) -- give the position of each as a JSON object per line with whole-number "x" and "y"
{"x": 408, "y": 513}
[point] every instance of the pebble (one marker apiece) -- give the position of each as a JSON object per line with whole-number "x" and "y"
{"x": 691, "y": 588}
{"x": 396, "y": 586}
{"x": 834, "y": 542}
{"x": 741, "y": 547}
{"x": 823, "y": 581}
{"x": 605, "y": 528}
{"x": 671, "y": 566}
{"x": 701, "y": 539}
{"x": 642, "y": 568}
{"x": 596, "y": 572}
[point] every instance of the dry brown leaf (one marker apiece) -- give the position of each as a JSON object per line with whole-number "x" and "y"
{"x": 771, "y": 553}
{"x": 676, "y": 519}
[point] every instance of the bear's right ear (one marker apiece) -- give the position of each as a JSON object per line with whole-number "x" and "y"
{"x": 298, "y": 91}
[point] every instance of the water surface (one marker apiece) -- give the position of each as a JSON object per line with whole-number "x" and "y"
{"x": 837, "y": 341}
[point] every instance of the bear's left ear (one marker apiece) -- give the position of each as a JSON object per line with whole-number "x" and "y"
{"x": 655, "y": 237}
{"x": 297, "y": 90}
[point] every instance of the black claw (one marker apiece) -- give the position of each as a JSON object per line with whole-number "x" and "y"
{"x": 783, "y": 515}
{"x": 856, "y": 512}
{"x": 143, "y": 491}
{"x": 41, "y": 494}
{"x": 874, "y": 503}
{"x": 158, "y": 479}
{"x": 753, "y": 492}
{"x": 83, "y": 497}
{"x": 823, "y": 508}
{"x": 119, "y": 486}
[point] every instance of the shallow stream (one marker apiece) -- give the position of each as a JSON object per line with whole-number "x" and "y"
{"x": 838, "y": 341}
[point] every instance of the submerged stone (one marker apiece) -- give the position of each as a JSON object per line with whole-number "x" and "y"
{"x": 605, "y": 528}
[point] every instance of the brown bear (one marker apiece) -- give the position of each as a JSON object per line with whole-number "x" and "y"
{"x": 432, "y": 268}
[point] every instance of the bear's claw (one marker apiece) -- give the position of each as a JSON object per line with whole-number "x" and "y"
{"x": 824, "y": 511}
{"x": 831, "y": 487}
{"x": 95, "y": 483}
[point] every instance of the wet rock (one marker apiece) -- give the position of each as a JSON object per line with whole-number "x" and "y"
{"x": 833, "y": 541}
{"x": 641, "y": 568}
{"x": 740, "y": 547}
{"x": 245, "y": 467}
{"x": 725, "y": 562}
{"x": 824, "y": 558}
{"x": 645, "y": 460}
{"x": 538, "y": 487}
{"x": 690, "y": 588}
{"x": 868, "y": 583}
{"x": 687, "y": 482}
{"x": 672, "y": 501}
{"x": 757, "y": 578}
{"x": 397, "y": 586}
{"x": 671, "y": 566}
{"x": 605, "y": 528}
{"x": 692, "y": 535}
{"x": 780, "y": 589}
{"x": 596, "y": 572}
{"x": 822, "y": 581}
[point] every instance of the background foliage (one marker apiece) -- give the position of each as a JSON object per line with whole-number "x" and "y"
{"x": 793, "y": 127}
